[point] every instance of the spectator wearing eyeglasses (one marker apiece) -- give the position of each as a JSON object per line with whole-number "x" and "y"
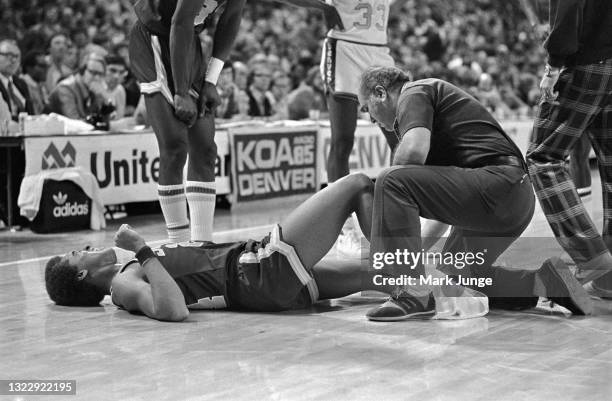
{"x": 14, "y": 89}
{"x": 260, "y": 99}
{"x": 83, "y": 93}
{"x": 280, "y": 88}
{"x": 116, "y": 71}
{"x": 34, "y": 67}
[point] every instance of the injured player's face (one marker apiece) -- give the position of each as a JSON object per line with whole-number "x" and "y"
{"x": 93, "y": 259}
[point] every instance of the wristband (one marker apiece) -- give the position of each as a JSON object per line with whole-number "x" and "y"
{"x": 144, "y": 254}
{"x": 213, "y": 70}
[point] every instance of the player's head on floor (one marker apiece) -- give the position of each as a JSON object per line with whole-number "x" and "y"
{"x": 80, "y": 278}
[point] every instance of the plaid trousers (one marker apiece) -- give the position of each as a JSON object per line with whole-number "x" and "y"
{"x": 583, "y": 107}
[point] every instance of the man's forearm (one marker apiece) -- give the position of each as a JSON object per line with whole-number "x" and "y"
{"x": 227, "y": 29}
{"x": 168, "y": 300}
{"x": 181, "y": 43}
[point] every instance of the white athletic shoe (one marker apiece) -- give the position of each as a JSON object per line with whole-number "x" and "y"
{"x": 351, "y": 243}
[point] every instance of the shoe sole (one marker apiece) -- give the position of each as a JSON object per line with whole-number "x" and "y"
{"x": 556, "y": 269}
{"x": 413, "y": 316}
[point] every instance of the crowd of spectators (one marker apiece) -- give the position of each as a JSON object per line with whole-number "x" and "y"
{"x": 484, "y": 46}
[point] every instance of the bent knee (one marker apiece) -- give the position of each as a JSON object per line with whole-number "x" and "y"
{"x": 361, "y": 181}
{"x": 173, "y": 153}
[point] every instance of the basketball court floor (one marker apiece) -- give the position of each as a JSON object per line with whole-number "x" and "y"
{"x": 327, "y": 352}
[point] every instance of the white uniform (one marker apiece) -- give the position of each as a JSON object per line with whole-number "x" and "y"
{"x": 362, "y": 43}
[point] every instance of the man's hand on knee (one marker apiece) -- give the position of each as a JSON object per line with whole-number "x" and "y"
{"x": 185, "y": 109}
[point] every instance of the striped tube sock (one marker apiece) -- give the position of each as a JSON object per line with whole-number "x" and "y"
{"x": 201, "y": 200}
{"x": 174, "y": 208}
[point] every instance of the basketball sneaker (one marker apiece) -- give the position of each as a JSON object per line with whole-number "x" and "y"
{"x": 351, "y": 243}
{"x": 555, "y": 281}
{"x": 403, "y": 307}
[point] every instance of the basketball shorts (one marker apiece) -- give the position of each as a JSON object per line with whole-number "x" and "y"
{"x": 269, "y": 276}
{"x": 342, "y": 64}
{"x": 150, "y": 63}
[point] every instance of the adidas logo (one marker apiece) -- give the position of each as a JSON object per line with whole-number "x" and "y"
{"x": 67, "y": 209}
{"x": 60, "y": 198}
{"x": 53, "y": 158}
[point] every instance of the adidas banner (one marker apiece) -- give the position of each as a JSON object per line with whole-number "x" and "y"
{"x": 126, "y": 165}
{"x": 63, "y": 207}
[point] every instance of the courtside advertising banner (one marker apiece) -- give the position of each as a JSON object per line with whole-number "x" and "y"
{"x": 273, "y": 162}
{"x": 126, "y": 165}
{"x": 370, "y": 152}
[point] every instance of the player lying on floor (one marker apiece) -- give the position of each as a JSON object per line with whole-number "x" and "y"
{"x": 274, "y": 274}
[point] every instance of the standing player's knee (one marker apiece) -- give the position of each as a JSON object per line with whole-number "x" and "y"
{"x": 207, "y": 155}
{"x": 173, "y": 155}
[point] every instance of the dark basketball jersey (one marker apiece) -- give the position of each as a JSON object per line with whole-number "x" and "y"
{"x": 200, "y": 269}
{"x": 156, "y": 15}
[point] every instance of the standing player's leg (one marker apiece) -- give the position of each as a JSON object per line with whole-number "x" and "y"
{"x": 171, "y": 137}
{"x": 200, "y": 188}
{"x": 343, "y": 121}
{"x": 314, "y": 226}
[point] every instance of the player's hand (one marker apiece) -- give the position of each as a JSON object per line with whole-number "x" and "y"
{"x": 209, "y": 98}
{"x": 547, "y": 87}
{"x": 127, "y": 238}
{"x": 332, "y": 18}
{"x": 185, "y": 109}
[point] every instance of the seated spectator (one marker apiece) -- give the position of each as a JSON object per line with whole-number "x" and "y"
{"x": 306, "y": 97}
{"x": 280, "y": 88}
{"x": 82, "y": 94}
{"x": 14, "y": 89}
{"x": 130, "y": 84}
{"x": 116, "y": 71}
{"x": 228, "y": 107}
{"x": 7, "y": 125}
{"x": 241, "y": 75}
{"x": 34, "y": 74}
{"x": 260, "y": 99}
{"x": 58, "y": 46}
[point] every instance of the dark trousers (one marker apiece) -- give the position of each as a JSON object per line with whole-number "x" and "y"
{"x": 488, "y": 207}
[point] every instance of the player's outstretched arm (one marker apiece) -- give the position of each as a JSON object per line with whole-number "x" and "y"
{"x": 161, "y": 297}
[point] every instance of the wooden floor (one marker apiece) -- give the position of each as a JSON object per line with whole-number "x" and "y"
{"x": 329, "y": 352}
